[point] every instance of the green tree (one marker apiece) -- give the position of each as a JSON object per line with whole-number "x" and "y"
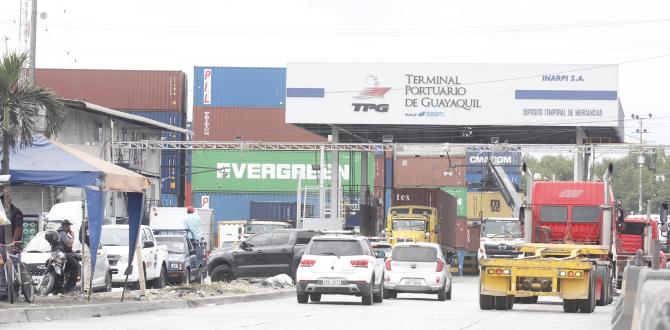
{"x": 20, "y": 103}
{"x": 559, "y": 168}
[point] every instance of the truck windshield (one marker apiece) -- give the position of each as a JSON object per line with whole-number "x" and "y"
{"x": 400, "y": 211}
{"x": 114, "y": 237}
{"x": 409, "y": 225}
{"x": 554, "y": 213}
{"x": 494, "y": 228}
{"x": 585, "y": 213}
{"x": 255, "y": 228}
{"x": 422, "y": 211}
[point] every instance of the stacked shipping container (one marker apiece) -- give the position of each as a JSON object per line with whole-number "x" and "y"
{"x": 248, "y": 104}
{"x": 157, "y": 95}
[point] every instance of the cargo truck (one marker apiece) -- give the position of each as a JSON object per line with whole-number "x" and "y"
{"x": 637, "y": 232}
{"x": 430, "y": 215}
{"x": 568, "y": 230}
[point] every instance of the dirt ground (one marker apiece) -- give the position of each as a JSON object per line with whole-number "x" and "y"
{"x": 170, "y": 292}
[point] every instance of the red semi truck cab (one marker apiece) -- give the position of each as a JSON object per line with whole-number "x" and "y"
{"x": 570, "y": 212}
{"x": 630, "y": 237}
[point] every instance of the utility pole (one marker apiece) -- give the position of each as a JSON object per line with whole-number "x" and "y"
{"x": 33, "y": 41}
{"x": 640, "y": 157}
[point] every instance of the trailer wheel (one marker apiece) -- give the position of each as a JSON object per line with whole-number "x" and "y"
{"x": 589, "y": 305}
{"x": 570, "y": 305}
{"x": 485, "y": 302}
{"x": 503, "y": 303}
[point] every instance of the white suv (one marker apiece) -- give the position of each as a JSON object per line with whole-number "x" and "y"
{"x": 417, "y": 268}
{"x": 340, "y": 264}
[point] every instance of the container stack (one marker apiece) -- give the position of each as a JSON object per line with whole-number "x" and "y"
{"x": 157, "y": 95}
{"x": 248, "y": 104}
{"x": 484, "y": 197}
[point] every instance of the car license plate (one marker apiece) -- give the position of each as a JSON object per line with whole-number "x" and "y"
{"x": 332, "y": 282}
{"x": 413, "y": 282}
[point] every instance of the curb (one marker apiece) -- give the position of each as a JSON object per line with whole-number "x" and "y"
{"x": 22, "y": 315}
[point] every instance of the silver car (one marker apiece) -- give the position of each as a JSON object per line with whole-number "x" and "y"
{"x": 417, "y": 268}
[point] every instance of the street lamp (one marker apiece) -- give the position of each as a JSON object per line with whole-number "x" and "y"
{"x": 640, "y": 158}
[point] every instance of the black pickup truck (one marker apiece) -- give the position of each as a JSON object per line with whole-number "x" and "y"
{"x": 264, "y": 254}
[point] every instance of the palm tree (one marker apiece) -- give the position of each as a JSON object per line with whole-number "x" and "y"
{"x": 21, "y": 103}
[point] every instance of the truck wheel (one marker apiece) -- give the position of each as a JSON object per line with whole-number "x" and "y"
{"x": 222, "y": 273}
{"x": 159, "y": 282}
{"x": 486, "y": 302}
{"x": 588, "y": 305}
{"x": 570, "y": 305}
{"x": 501, "y": 303}
{"x": 601, "y": 274}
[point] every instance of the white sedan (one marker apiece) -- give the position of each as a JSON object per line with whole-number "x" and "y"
{"x": 417, "y": 268}
{"x": 36, "y": 253}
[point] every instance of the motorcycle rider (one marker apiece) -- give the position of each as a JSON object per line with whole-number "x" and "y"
{"x": 65, "y": 245}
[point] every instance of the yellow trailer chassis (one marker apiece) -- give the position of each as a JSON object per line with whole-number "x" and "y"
{"x": 563, "y": 270}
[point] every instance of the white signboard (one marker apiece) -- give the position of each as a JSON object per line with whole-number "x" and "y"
{"x": 452, "y": 94}
{"x": 204, "y": 202}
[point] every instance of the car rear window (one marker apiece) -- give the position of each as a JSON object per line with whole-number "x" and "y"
{"x": 414, "y": 253}
{"x": 335, "y": 247}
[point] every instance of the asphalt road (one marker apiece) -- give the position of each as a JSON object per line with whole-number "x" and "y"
{"x": 409, "y": 311}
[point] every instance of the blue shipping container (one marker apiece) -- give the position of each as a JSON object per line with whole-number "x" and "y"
{"x": 239, "y": 87}
{"x": 165, "y": 117}
{"x": 282, "y": 211}
{"x": 169, "y": 200}
{"x": 477, "y": 161}
{"x": 170, "y": 171}
{"x": 479, "y": 182}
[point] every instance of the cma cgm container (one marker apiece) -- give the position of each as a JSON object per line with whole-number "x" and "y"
{"x": 477, "y": 161}
{"x": 269, "y": 171}
{"x": 247, "y": 124}
{"x": 486, "y": 181}
{"x": 239, "y": 87}
{"x": 487, "y": 204}
{"x": 124, "y": 90}
{"x": 429, "y": 171}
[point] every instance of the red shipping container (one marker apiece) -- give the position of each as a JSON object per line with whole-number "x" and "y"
{"x": 429, "y": 171}
{"x": 247, "y": 124}
{"x": 188, "y": 194}
{"x": 379, "y": 172}
{"x": 124, "y": 90}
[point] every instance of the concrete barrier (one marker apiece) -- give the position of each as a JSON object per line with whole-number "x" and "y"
{"x": 645, "y": 300}
{"x": 17, "y": 315}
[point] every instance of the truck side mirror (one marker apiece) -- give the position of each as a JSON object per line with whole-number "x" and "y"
{"x": 664, "y": 213}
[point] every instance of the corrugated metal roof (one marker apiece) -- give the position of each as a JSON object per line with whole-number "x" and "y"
{"x": 119, "y": 89}
{"x": 94, "y": 108}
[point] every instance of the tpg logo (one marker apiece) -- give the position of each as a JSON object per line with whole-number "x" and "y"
{"x": 364, "y": 107}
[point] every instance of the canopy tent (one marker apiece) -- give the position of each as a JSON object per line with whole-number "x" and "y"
{"x": 47, "y": 162}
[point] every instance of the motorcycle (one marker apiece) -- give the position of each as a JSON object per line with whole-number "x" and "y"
{"x": 57, "y": 271}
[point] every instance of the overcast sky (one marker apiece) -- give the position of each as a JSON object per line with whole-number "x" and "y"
{"x": 178, "y": 35}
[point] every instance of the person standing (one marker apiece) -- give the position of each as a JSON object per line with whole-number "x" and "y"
{"x": 192, "y": 222}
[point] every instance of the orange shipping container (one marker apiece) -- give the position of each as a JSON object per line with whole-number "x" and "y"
{"x": 124, "y": 90}
{"x": 429, "y": 171}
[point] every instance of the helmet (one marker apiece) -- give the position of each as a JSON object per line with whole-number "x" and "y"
{"x": 190, "y": 209}
{"x": 52, "y": 237}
